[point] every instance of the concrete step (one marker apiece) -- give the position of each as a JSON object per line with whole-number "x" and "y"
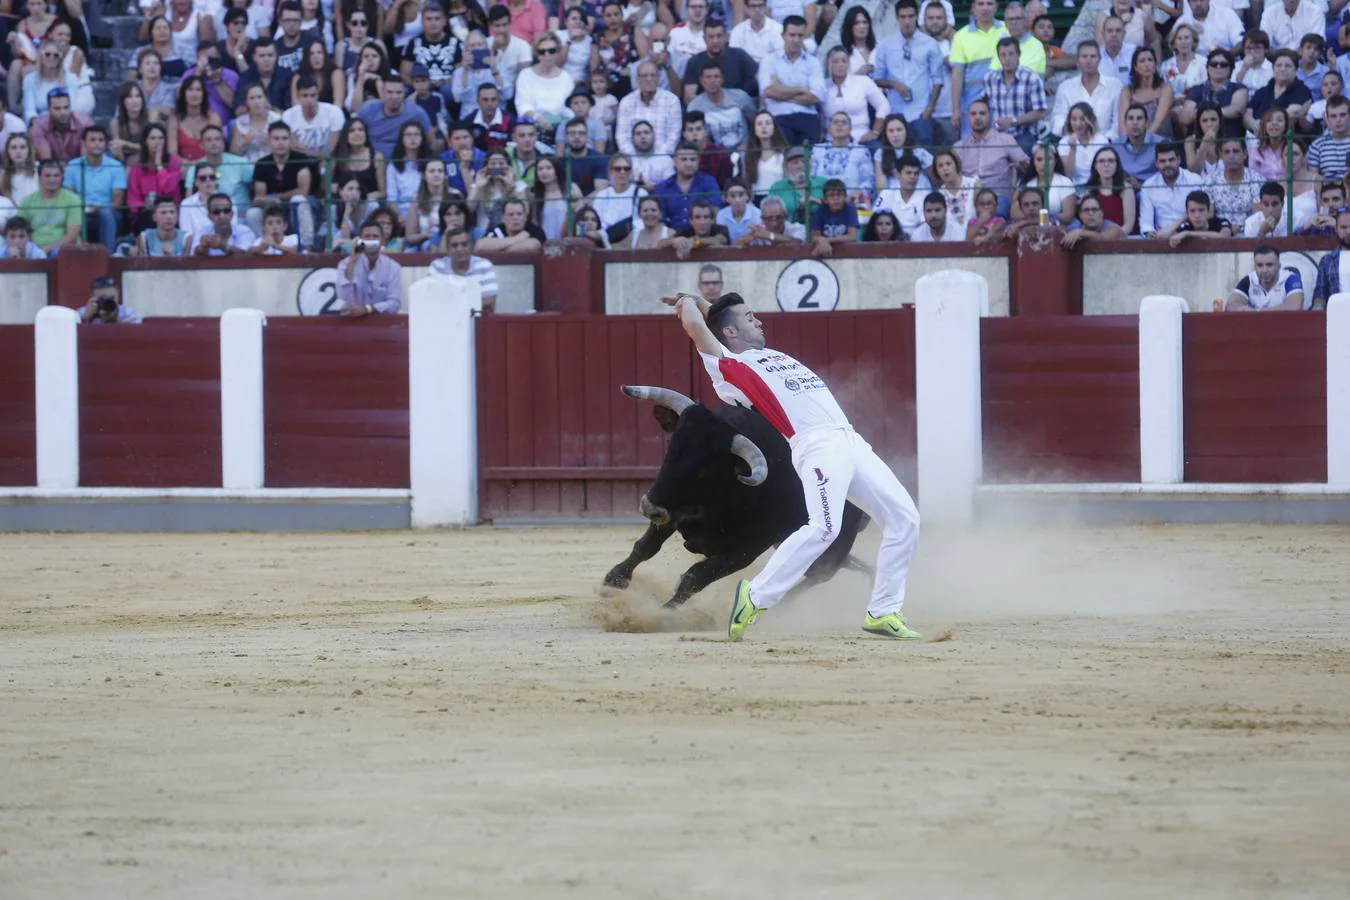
{"x": 110, "y": 64}
{"x": 105, "y": 99}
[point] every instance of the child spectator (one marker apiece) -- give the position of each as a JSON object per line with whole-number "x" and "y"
{"x": 19, "y": 241}
{"x": 739, "y": 215}
{"x": 274, "y": 241}
{"x": 166, "y": 238}
{"x": 835, "y": 221}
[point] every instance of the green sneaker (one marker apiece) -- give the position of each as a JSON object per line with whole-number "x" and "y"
{"x": 891, "y": 625}
{"x": 743, "y": 612}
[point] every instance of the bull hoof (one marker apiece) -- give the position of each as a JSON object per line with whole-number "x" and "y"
{"x": 673, "y": 603}
{"x": 616, "y": 579}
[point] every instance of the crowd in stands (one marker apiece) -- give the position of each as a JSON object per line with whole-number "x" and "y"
{"x": 251, "y": 127}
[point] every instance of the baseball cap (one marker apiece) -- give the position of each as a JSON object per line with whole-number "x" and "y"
{"x": 580, "y": 91}
{"x": 420, "y": 71}
{"x": 795, "y": 153}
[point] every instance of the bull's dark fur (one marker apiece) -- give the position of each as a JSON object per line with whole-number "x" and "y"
{"x": 719, "y": 518}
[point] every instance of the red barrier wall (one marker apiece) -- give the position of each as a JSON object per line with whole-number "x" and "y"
{"x": 1060, "y": 399}
{"x": 336, "y": 402}
{"x": 1256, "y": 397}
{"x": 558, "y": 439}
{"x": 18, "y": 442}
{"x": 150, "y": 404}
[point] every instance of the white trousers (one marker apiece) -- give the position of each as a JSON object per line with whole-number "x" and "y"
{"x": 836, "y": 464}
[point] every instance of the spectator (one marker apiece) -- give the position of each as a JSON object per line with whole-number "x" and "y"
{"x": 18, "y": 174}
{"x": 1267, "y": 286}
{"x": 757, "y": 34}
{"x": 1116, "y": 52}
{"x": 1060, "y": 198}
{"x": 524, "y": 150}
{"x": 679, "y": 192}
{"x": 1329, "y": 266}
{"x": 738, "y": 69}
{"x": 384, "y": 118}
{"x": 1092, "y": 224}
{"x": 387, "y": 219}
{"x": 552, "y": 201}
{"x": 686, "y": 39}
{"x": 435, "y": 49}
{"x": 1136, "y": 146}
{"x": 223, "y": 236}
{"x": 1098, "y": 91}
{"x": 127, "y": 125}
{"x": 657, "y": 107}
{"x": 105, "y": 306}
{"x": 1185, "y": 69}
{"x": 833, "y": 222}
{"x": 516, "y": 233}
{"x": 293, "y": 42}
{"x": 101, "y": 184}
{"x": 710, "y": 282}
{"x": 1236, "y": 191}
{"x": 1221, "y": 91}
{"x": 974, "y": 48}
{"x": 1320, "y": 219}
{"x": 543, "y": 88}
{"x": 166, "y": 238}
{"x": 905, "y": 201}
{"x": 597, "y": 133}
{"x": 159, "y": 91}
{"x": 220, "y": 82}
{"x": 957, "y": 188}
{"x": 365, "y": 82}
{"x": 273, "y": 241}
{"x": 314, "y": 126}
{"x": 56, "y": 134}
{"x": 459, "y": 261}
{"x": 936, "y": 227}
{"x": 1080, "y": 143}
{"x": 494, "y": 184}
{"x": 794, "y": 189}
{"x": 604, "y": 106}
{"x": 775, "y": 227}
{"x": 577, "y": 45}
{"x": 701, "y": 232}
{"x": 462, "y": 159}
{"x": 1150, "y": 90}
{"x": 353, "y": 208}
{"x": 1016, "y": 96}
{"x": 235, "y": 46}
{"x": 287, "y": 178}
{"x": 19, "y": 241}
{"x": 739, "y": 216}
{"x": 1327, "y": 155}
{"x": 658, "y": 54}
{"x": 1202, "y": 145}
{"x": 491, "y": 125}
{"x": 712, "y": 159}
{"x": 510, "y": 52}
{"x": 192, "y": 215}
{"x": 650, "y": 231}
{"x": 726, "y": 111}
{"x": 617, "y": 202}
{"x": 851, "y": 96}
{"x": 368, "y": 282}
{"x": 234, "y": 173}
{"x": 191, "y": 115}
{"x": 475, "y": 69}
{"x": 1108, "y": 182}
{"x": 1287, "y": 21}
{"x": 987, "y": 225}
{"x": 1043, "y": 27}
{"x": 454, "y": 216}
{"x": 1284, "y": 91}
{"x": 1269, "y": 219}
{"x": 793, "y": 85}
{"x": 1311, "y": 69}
{"x": 993, "y": 157}
{"x": 764, "y": 158}
{"x": 249, "y": 132}
{"x": 842, "y": 159}
{"x": 578, "y": 166}
{"x": 275, "y": 83}
{"x": 945, "y": 119}
{"x": 896, "y": 141}
{"x": 1200, "y": 222}
{"x": 41, "y": 84}
{"x": 355, "y": 158}
{"x": 1314, "y": 120}
{"x": 528, "y": 18}
{"x": 1162, "y": 199}
{"x": 586, "y": 224}
{"x": 1031, "y": 52}
{"x": 883, "y": 228}
{"x": 9, "y": 123}
{"x": 56, "y": 214}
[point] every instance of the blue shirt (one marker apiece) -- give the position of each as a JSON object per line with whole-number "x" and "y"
{"x": 383, "y": 129}
{"x": 675, "y": 204}
{"x": 1313, "y": 79}
{"x": 1139, "y": 165}
{"x": 32, "y": 251}
{"x": 737, "y": 230}
{"x": 828, "y": 223}
{"x": 456, "y": 176}
{"x": 921, "y": 69}
{"x": 95, "y": 184}
{"x": 805, "y": 72}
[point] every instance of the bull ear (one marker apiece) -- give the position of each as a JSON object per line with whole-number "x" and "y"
{"x": 666, "y": 417}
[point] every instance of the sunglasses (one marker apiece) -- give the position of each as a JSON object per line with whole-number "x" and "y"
{"x": 1220, "y": 64}
{"x": 357, "y": 22}
{"x": 621, "y": 168}
{"x": 206, "y": 178}
{"x": 547, "y": 51}
{"x": 220, "y": 211}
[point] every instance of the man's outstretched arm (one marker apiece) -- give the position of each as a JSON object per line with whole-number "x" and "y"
{"x": 691, "y": 311}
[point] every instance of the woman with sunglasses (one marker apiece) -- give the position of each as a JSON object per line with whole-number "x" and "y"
{"x": 24, "y": 42}
{"x": 1219, "y": 89}
{"x": 236, "y": 48}
{"x": 347, "y": 51}
{"x": 543, "y": 88}
{"x": 49, "y": 75}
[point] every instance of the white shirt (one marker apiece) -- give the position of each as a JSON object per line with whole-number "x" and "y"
{"x": 1160, "y": 205}
{"x": 1118, "y": 66}
{"x": 758, "y": 44}
{"x": 515, "y": 56}
{"x": 192, "y": 215}
{"x": 1104, "y": 102}
{"x": 684, "y": 43}
{"x": 950, "y": 235}
{"x": 1287, "y": 283}
{"x": 653, "y": 168}
{"x": 1221, "y": 28}
{"x": 290, "y": 242}
{"x": 853, "y": 97}
{"x": 792, "y": 397}
{"x": 1284, "y": 30}
{"x": 311, "y": 135}
{"x": 1257, "y": 78}
{"x": 613, "y": 207}
{"x": 1083, "y": 156}
{"x": 10, "y": 124}
{"x": 909, "y": 213}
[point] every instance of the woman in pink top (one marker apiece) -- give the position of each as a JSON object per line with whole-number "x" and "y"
{"x": 528, "y": 18}
{"x": 157, "y": 174}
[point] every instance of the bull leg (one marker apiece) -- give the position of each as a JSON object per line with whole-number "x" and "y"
{"x": 705, "y": 572}
{"x": 644, "y": 549}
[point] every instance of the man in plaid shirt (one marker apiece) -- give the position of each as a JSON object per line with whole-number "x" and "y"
{"x": 1016, "y": 96}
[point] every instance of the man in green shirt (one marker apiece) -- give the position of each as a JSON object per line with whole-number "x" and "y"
{"x": 794, "y": 184}
{"x": 56, "y": 214}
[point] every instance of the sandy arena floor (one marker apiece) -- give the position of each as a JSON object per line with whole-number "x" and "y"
{"x": 1125, "y": 713}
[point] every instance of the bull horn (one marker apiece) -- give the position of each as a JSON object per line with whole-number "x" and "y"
{"x": 745, "y": 448}
{"x": 672, "y": 400}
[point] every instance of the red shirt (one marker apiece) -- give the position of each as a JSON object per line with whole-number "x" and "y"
{"x": 60, "y": 145}
{"x": 528, "y": 20}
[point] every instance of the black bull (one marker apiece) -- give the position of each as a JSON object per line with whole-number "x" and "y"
{"x": 727, "y": 485}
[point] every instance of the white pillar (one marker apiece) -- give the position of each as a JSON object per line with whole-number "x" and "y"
{"x": 1338, "y": 389}
{"x": 57, "y": 395}
{"x": 443, "y": 400}
{"x": 948, "y": 308}
{"x": 241, "y": 399}
{"x": 1162, "y": 451}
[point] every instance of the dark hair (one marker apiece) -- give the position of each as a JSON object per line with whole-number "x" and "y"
{"x": 1199, "y": 197}
{"x": 235, "y": 14}
{"x": 1134, "y": 62}
{"x": 212, "y": 126}
{"x": 497, "y": 12}
{"x": 1256, "y": 36}
{"x": 851, "y": 18}
{"x": 1117, "y": 181}
{"x": 275, "y": 211}
{"x": 721, "y": 312}
{"x": 789, "y": 21}
{"x": 220, "y": 195}
{"x": 145, "y": 161}
{"x": 94, "y": 129}
{"x": 278, "y": 126}
{"x": 305, "y": 83}
{"x": 124, "y": 124}
{"x": 1036, "y": 21}
{"x": 1265, "y": 250}
{"x": 907, "y": 4}
{"x": 399, "y": 159}
{"x": 464, "y": 125}
{"x": 18, "y": 223}
{"x": 1315, "y": 39}
{"x": 1331, "y": 185}
{"x": 694, "y": 115}
{"x": 1339, "y": 100}
{"x": 869, "y": 234}
{"x": 1008, "y": 42}
{"x": 180, "y": 101}
{"x": 685, "y": 147}
{"x": 935, "y": 198}
{"x": 488, "y": 85}
{"x": 263, "y": 40}
{"x": 1167, "y": 147}
{"x": 1139, "y": 106}
{"x": 1273, "y": 189}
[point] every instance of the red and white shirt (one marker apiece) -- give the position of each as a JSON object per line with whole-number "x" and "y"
{"x": 792, "y": 397}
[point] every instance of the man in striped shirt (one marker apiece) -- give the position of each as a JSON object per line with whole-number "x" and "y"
{"x": 1016, "y": 96}
{"x": 463, "y": 263}
{"x": 834, "y": 463}
{"x": 1327, "y": 154}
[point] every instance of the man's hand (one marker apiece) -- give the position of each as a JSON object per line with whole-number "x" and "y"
{"x": 355, "y": 310}
{"x": 821, "y": 248}
{"x": 683, "y": 247}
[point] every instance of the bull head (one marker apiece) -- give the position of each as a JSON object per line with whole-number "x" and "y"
{"x": 674, "y": 402}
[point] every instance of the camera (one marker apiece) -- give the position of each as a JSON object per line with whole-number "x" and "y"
{"x": 107, "y": 306}
{"x": 364, "y": 245}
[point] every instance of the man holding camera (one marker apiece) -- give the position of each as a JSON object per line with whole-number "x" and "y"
{"x": 368, "y": 282}
{"x": 105, "y": 306}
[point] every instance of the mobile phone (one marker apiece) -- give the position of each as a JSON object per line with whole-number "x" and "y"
{"x": 658, "y": 46}
{"x": 480, "y": 58}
